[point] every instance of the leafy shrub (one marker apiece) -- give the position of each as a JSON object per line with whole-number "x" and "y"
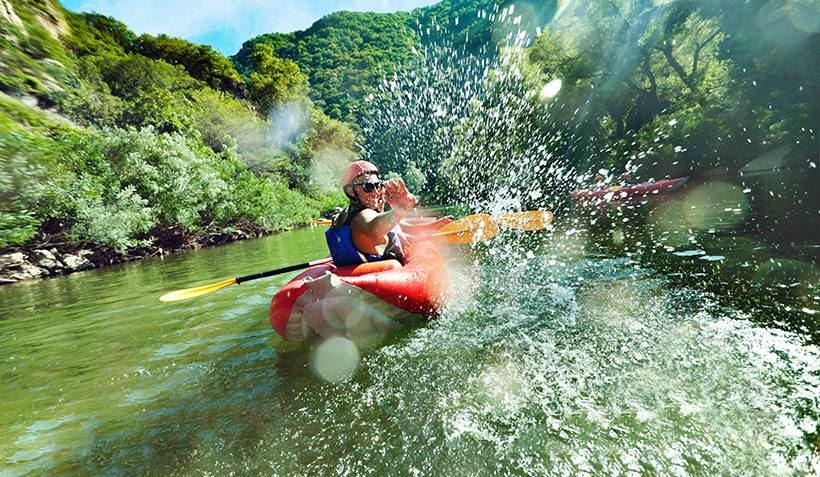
{"x": 174, "y": 173}
{"x": 221, "y": 120}
{"x": 90, "y": 107}
{"x": 116, "y": 223}
{"x": 328, "y": 201}
{"x": 16, "y": 228}
{"x": 19, "y": 177}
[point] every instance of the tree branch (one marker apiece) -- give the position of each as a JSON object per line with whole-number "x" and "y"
{"x": 666, "y": 49}
{"x": 647, "y": 70}
{"x": 701, "y": 47}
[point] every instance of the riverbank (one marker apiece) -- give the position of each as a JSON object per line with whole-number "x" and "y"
{"x": 53, "y": 257}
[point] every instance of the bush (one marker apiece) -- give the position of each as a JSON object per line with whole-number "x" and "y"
{"x": 329, "y": 201}
{"x": 115, "y": 223}
{"x": 220, "y": 119}
{"x": 19, "y": 188}
{"x": 90, "y": 107}
{"x": 122, "y": 186}
{"x": 175, "y": 174}
{"x": 16, "y": 228}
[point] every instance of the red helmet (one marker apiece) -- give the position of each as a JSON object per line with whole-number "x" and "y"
{"x": 356, "y": 169}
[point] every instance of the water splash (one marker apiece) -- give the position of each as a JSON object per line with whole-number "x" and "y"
{"x": 470, "y": 125}
{"x": 587, "y": 368}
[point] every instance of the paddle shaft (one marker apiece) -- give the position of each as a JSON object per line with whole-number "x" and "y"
{"x": 287, "y": 269}
{"x": 470, "y": 225}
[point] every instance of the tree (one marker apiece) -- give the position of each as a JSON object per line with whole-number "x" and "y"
{"x": 274, "y": 79}
{"x": 200, "y": 61}
{"x": 153, "y": 91}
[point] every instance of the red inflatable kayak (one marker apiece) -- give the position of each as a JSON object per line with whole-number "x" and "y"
{"x": 630, "y": 192}
{"x": 363, "y": 300}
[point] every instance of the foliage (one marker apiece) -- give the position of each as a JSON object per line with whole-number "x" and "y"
{"x": 89, "y": 106}
{"x": 124, "y": 188}
{"x": 675, "y": 86}
{"x": 274, "y": 79}
{"x": 346, "y": 55}
{"x": 149, "y": 89}
{"x": 480, "y": 27}
{"x": 220, "y": 120}
{"x": 670, "y": 88}
{"x": 200, "y": 61}
{"x": 171, "y": 144}
{"x": 116, "y": 222}
{"x": 18, "y": 181}
{"x": 179, "y": 141}
{"x": 343, "y": 55}
{"x": 91, "y": 33}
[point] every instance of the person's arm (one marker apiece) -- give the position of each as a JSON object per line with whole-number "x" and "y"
{"x": 369, "y": 227}
{"x": 424, "y": 225}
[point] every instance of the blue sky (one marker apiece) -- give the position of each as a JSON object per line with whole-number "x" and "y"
{"x": 226, "y": 24}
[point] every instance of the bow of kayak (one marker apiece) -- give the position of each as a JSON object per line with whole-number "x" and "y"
{"x": 363, "y": 300}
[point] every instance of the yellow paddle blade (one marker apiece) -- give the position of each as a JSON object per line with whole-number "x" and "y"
{"x": 470, "y": 229}
{"x": 320, "y": 222}
{"x": 528, "y": 220}
{"x": 196, "y": 291}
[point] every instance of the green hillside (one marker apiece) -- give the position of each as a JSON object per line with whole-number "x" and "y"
{"x": 346, "y": 54}
{"x": 123, "y": 144}
{"x": 343, "y": 55}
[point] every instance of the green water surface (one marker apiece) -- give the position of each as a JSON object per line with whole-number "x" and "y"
{"x": 546, "y": 361}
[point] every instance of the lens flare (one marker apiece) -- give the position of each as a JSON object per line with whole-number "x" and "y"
{"x": 551, "y": 89}
{"x": 715, "y": 206}
{"x": 335, "y": 359}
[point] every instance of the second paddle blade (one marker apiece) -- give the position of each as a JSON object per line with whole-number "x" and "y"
{"x": 468, "y": 230}
{"x": 528, "y": 220}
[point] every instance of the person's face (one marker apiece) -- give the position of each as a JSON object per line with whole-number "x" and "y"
{"x": 369, "y": 191}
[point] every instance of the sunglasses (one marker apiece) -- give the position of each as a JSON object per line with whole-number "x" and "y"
{"x": 369, "y": 186}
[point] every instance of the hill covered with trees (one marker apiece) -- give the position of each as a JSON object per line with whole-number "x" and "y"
{"x": 124, "y": 145}
{"x": 345, "y": 55}
{"x": 663, "y": 88}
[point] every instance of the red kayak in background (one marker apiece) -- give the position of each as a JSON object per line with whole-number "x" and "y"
{"x": 363, "y": 301}
{"x": 635, "y": 192}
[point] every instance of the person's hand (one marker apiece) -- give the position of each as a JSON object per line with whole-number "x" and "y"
{"x": 398, "y": 197}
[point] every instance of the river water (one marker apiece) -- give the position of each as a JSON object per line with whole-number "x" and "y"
{"x": 551, "y": 358}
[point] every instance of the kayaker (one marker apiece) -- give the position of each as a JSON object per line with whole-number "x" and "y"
{"x": 364, "y": 231}
{"x": 626, "y": 179}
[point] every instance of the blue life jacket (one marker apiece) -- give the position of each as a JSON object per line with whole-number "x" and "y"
{"x": 340, "y": 242}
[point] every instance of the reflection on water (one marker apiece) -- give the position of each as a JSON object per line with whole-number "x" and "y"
{"x": 755, "y": 247}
